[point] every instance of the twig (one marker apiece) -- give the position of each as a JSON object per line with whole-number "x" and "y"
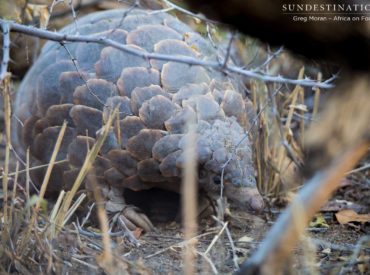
{"x": 228, "y": 50}
{"x": 6, "y": 47}
{"x": 81, "y": 76}
{"x": 362, "y": 168}
{"x": 209, "y": 261}
{"x": 84, "y": 263}
{"x": 73, "y": 14}
{"x": 78, "y": 6}
{"x": 131, "y": 238}
{"x": 74, "y": 207}
{"x": 215, "y": 238}
{"x": 209, "y": 35}
{"x": 180, "y": 244}
{"x": 199, "y": 16}
{"x": 59, "y": 37}
{"x": 86, "y": 218}
{"x": 92, "y": 234}
{"x": 34, "y": 168}
{"x": 228, "y": 234}
{"x": 270, "y": 57}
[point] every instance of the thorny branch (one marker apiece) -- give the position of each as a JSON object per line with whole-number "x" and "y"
{"x": 6, "y": 47}
{"x": 180, "y": 9}
{"x": 62, "y": 38}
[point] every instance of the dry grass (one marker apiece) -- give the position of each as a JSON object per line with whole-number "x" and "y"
{"x": 271, "y": 161}
{"x": 29, "y": 230}
{"x": 278, "y": 150}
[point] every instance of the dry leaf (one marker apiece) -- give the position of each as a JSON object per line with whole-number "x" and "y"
{"x": 138, "y": 232}
{"x": 346, "y": 216}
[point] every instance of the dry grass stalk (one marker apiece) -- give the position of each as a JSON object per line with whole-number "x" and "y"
{"x": 189, "y": 201}
{"x": 282, "y": 153}
{"x": 105, "y": 260}
{"x": 73, "y": 208}
{"x": 180, "y": 244}
{"x": 47, "y": 175}
{"x": 55, "y": 209}
{"x": 92, "y": 154}
{"x": 28, "y": 180}
{"x": 302, "y": 112}
{"x": 316, "y": 98}
{"x": 28, "y": 169}
{"x": 216, "y": 238}
{"x": 14, "y": 193}
{"x": 7, "y": 117}
{"x": 44, "y": 185}
{"x": 274, "y": 141}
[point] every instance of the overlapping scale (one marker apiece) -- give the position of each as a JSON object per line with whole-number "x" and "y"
{"x": 155, "y": 100}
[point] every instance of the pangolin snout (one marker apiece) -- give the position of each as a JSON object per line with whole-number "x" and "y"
{"x": 246, "y": 197}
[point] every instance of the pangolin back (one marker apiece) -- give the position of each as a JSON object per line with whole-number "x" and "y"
{"x": 83, "y": 82}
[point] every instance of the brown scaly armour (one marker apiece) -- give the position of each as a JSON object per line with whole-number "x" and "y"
{"x": 155, "y": 98}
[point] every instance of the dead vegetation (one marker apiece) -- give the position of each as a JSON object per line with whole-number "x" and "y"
{"x": 43, "y": 236}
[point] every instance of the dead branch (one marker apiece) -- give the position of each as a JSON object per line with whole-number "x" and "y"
{"x": 63, "y": 38}
{"x": 6, "y": 47}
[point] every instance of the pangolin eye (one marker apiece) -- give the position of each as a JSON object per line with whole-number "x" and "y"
{"x": 217, "y": 180}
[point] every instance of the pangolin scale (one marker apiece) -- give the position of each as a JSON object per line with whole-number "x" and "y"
{"x": 155, "y": 99}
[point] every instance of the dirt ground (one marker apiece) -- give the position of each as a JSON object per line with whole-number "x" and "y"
{"x": 326, "y": 249}
{"x": 161, "y": 252}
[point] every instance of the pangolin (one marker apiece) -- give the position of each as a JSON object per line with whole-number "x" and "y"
{"x": 83, "y": 82}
